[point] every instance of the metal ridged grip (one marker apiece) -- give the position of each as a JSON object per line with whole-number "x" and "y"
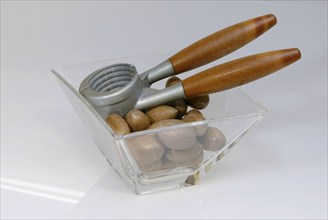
{"x": 112, "y": 77}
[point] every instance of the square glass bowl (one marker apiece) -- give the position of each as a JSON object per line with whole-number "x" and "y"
{"x": 167, "y": 157}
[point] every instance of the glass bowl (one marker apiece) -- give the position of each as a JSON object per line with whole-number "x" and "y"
{"x": 229, "y": 116}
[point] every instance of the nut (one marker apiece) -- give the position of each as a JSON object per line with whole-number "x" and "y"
{"x": 164, "y": 123}
{"x": 193, "y": 116}
{"x": 137, "y": 120}
{"x": 180, "y": 105}
{"x": 161, "y": 112}
{"x": 168, "y": 164}
{"x": 175, "y": 138}
{"x": 118, "y": 124}
{"x": 194, "y": 161}
{"x": 152, "y": 167}
{"x": 145, "y": 149}
{"x": 213, "y": 140}
{"x": 178, "y": 156}
{"x": 199, "y": 102}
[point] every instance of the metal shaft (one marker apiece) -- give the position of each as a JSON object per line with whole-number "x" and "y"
{"x": 161, "y": 71}
{"x": 152, "y": 97}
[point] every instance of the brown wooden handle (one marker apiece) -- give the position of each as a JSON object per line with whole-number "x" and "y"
{"x": 221, "y": 43}
{"x": 238, "y": 72}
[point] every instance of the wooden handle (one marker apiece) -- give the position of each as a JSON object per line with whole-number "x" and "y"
{"x": 238, "y": 72}
{"x": 221, "y": 43}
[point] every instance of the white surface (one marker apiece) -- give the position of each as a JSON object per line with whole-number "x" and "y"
{"x": 50, "y": 167}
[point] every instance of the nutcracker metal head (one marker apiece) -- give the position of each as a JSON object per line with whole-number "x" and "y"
{"x": 118, "y": 88}
{"x": 115, "y": 88}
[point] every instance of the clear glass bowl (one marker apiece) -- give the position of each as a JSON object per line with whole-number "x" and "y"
{"x": 229, "y": 116}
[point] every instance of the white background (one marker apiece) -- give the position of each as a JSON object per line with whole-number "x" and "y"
{"x": 50, "y": 167}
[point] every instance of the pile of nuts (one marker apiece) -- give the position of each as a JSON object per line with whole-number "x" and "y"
{"x": 170, "y": 148}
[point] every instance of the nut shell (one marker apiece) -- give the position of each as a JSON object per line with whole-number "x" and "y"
{"x": 145, "y": 149}
{"x": 161, "y": 112}
{"x": 175, "y": 138}
{"x": 118, "y": 124}
{"x": 152, "y": 167}
{"x": 180, "y": 105}
{"x": 213, "y": 139}
{"x": 137, "y": 120}
{"x": 179, "y": 156}
{"x": 194, "y": 161}
{"x": 168, "y": 164}
{"x": 193, "y": 116}
{"x": 164, "y": 123}
{"x": 199, "y": 102}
